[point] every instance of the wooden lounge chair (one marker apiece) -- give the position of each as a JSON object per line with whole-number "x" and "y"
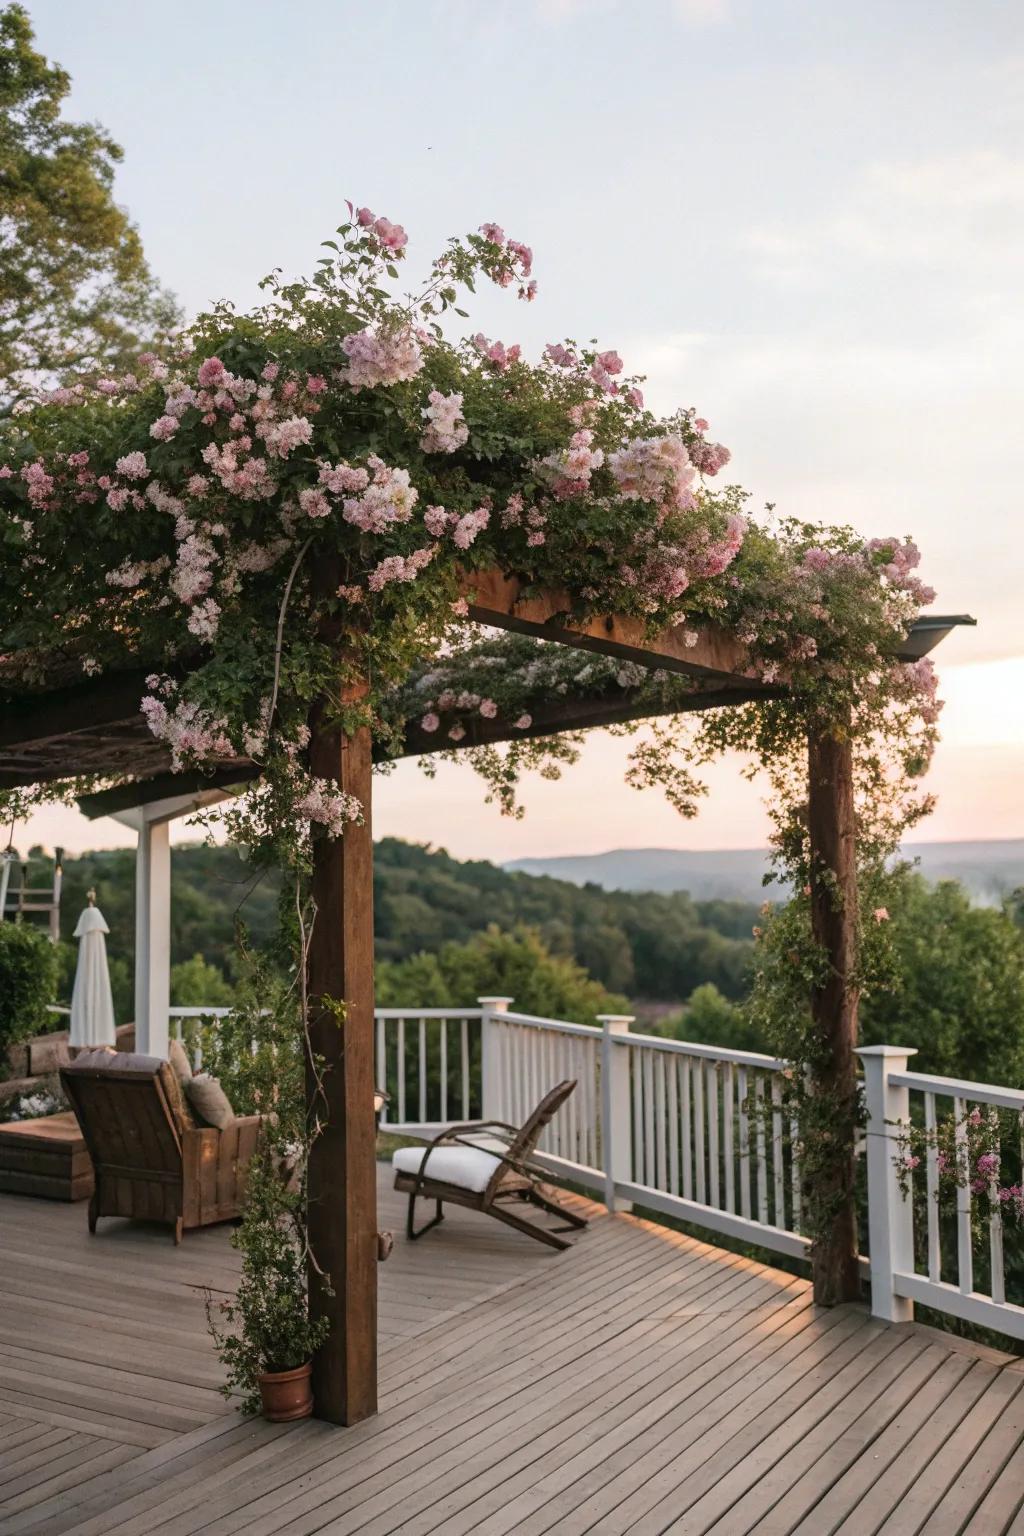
{"x": 484, "y": 1165}
{"x": 151, "y": 1161}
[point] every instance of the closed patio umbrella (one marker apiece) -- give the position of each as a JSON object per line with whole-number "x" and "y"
{"x": 92, "y": 1005}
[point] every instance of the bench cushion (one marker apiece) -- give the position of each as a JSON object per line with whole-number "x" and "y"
{"x": 469, "y": 1168}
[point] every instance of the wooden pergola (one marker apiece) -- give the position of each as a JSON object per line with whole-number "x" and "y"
{"x": 95, "y": 727}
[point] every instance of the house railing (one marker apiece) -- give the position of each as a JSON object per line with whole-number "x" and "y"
{"x": 703, "y": 1134}
{"x": 687, "y": 1130}
{"x": 908, "y": 1264}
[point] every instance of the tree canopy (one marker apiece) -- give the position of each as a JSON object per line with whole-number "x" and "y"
{"x": 76, "y": 294}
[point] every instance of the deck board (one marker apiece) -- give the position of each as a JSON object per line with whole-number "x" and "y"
{"x": 642, "y": 1383}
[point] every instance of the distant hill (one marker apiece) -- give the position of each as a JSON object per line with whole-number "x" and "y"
{"x": 989, "y": 870}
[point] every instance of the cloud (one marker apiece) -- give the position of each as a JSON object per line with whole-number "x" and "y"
{"x": 691, "y": 13}
{"x": 961, "y": 216}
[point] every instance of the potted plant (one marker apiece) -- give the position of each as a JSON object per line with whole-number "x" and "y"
{"x": 264, "y": 1335}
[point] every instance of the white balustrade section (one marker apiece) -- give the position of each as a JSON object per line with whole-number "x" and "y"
{"x": 692, "y": 1131}
{"x": 704, "y": 1134}
{"x": 896, "y": 1098}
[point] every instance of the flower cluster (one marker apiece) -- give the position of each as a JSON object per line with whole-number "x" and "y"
{"x": 446, "y": 430}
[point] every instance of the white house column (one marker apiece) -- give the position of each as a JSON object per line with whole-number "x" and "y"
{"x": 153, "y": 937}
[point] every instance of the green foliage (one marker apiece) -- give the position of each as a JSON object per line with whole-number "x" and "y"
{"x": 266, "y": 1326}
{"x": 28, "y": 979}
{"x": 952, "y": 984}
{"x": 516, "y": 965}
{"x": 711, "y": 1019}
{"x": 75, "y": 291}
{"x": 196, "y": 984}
{"x": 640, "y": 943}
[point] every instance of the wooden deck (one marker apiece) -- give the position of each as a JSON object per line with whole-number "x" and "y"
{"x": 643, "y": 1382}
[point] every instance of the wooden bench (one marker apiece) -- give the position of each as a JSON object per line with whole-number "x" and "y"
{"x": 46, "y": 1157}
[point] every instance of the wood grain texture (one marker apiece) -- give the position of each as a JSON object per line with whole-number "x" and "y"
{"x": 643, "y": 1381}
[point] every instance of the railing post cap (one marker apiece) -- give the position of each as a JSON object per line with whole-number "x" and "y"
{"x": 877, "y": 1051}
{"x": 490, "y": 1002}
{"x": 616, "y": 1018}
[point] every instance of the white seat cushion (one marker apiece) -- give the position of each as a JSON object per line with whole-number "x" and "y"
{"x": 469, "y": 1168}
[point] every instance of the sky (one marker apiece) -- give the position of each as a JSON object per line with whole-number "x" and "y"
{"x": 806, "y": 220}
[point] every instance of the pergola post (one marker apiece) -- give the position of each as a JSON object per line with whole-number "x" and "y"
{"x": 834, "y": 1004}
{"x": 342, "y": 1192}
{"x": 153, "y": 937}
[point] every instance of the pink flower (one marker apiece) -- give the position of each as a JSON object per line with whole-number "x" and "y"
{"x": 211, "y": 373}
{"x": 391, "y": 236}
{"x": 315, "y": 384}
{"x": 523, "y": 723}
{"x": 881, "y": 914}
{"x": 494, "y": 233}
{"x": 430, "y": 722}
{"x": 270, "y": 372}
{"x": 314, "y": 503}
{"x": 163, "y": 428}
{"x": 133, "y": 465}
{"x": 364, "y": 217}
{"x": 611, "y": 362}
{"x": 457, "y": 732}
{"x": 911, "y": 1162}
{"x": 488, "y": 709}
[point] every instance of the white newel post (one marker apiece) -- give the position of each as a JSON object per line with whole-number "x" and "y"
{"x": 616, "y": 1110}
{"x": 152, "y": 937}
{"x": 890, "y": 1214}
{"x": 492, "y": 1089}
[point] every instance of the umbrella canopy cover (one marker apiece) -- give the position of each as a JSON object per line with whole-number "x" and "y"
{"x": 92, "y": 1005}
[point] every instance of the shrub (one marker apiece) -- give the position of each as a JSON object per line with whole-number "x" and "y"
{"x": 28, "y": 981}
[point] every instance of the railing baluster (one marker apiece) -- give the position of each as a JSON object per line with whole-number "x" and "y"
{"x": 728, "y": 1133}
{"x": 423, "y": 1071}
{"x": 794, "y": 1170}
{"x": 687, "y": 1131}
{"x": 443, "y": 1069}
{"x": 464, "y": 1063}
{"x": 647, "y": 1058}
{"x": 401, "y": 1071}
{"x": 638, "y": 1114}
{"x": 711, "y": 1099}
{"x": 931, "y": 1163}
{"x": 381, "y": 1074}
{"x": 744, "y": 1118}
{"x": 673, "y": 1126}
{"x": 995, "y": 1221}
{"x": 661, "y": 1127}
{"x": 697, "y": 1075}
{"x": 964, "y": 1255}
{"x": 778, "y": 1169}
{"x": 762, "y": 1163}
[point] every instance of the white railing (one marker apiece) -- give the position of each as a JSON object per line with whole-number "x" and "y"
{"x": 702, "y": 1134}
{"x": 687, "y": 1130}
{"x": 898, "y": 1277}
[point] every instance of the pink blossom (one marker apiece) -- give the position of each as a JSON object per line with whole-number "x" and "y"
{"x": 611, "y": 362}
{"x": 496, "y": 353}
{"x": 283, "y": 437}
{"x": 315, "y": 384}
{"x": 430, "y": 722}
{"x": 211, "y": 373}
{"x": 445, "y": 431}
{"x": 488, "y": 709}
{"x": 457, "y": 732}
{"x": 391, "y": 236}
{"x": 379, "y": 360}
{"x": 364, "y": 217}
{"x": 314, "y": 503}
{"x": 163, "y": 428}
{"x": 709, "y": 457}
{"x": 562, "y": 357}
{"x": 881, "y": 914}
{"x": 494, "y": 233}
{"x": 270, "y": 372}
{"x": 133, "y": 465}
{"x": 523, "y": 723}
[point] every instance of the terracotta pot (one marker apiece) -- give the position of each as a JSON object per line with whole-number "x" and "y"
{"x": 287, "y": 1394}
